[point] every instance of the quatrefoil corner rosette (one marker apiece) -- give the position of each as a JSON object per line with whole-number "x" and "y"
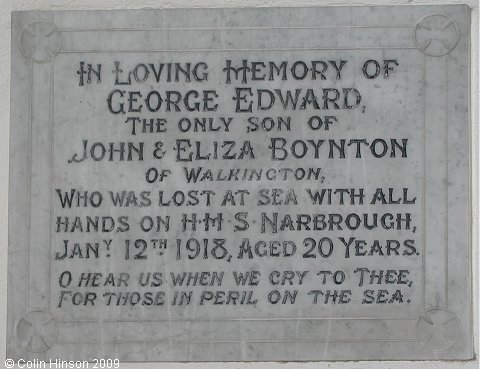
{"x": 40, "y": 41}
{"x": 436, "y": 34}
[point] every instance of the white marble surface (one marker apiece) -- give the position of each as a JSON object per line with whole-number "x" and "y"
{"x": 424, "y": 100}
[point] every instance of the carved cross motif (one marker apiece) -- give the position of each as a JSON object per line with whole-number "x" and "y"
{"x": 436, "y": 35}
{"x": 438, "y": 329}
{"x": 40, "y": 41}
{"x": 37, "y": 331}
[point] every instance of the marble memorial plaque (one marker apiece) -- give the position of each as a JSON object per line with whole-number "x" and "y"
{"x": 240, "y": 184}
